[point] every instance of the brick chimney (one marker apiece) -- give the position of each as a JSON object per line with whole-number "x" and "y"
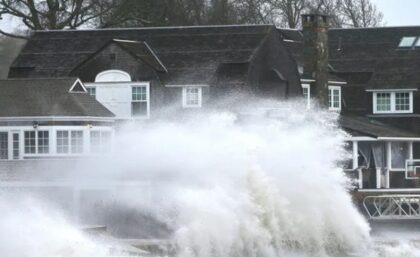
{"x": 315, "y": 54}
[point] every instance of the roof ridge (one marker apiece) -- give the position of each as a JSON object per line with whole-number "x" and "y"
{"x": 151, "y": 28}
{"x": 43, "y": 78}
{"x": 383, "y": 27}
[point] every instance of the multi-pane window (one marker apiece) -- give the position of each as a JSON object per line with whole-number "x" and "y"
{"x": 306, "y": 94}
{"x": 383, "y": 102}
{"x": 43, "y": 142}
{"x": 16, "y": 151}
{"x": 4, "y": 143}
{"x": 76, "y": 142}
{"x": 70, "y": 142}
{"x": 139, "y": 104}
{"x": 334, "y": 98}
{"x": 91, "y": 91}
{"x": 63, "y": 143}
{"x": 402, "y": 101}
{"x": 393, "y": 102}
{"x": 100, "y": 141}
{"x": 30, "y": 142}
{"x": 36, "y": 142}
{"x": 191, "y": 97}
{"x": 407, "y": 42}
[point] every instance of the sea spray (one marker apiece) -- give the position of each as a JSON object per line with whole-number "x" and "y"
{"x": 257, "y": 182}
{"x": 261, "y": 184}
{"x": 30, "y": 228}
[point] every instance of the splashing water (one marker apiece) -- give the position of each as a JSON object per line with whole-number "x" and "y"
{"x": 223, "y": 185}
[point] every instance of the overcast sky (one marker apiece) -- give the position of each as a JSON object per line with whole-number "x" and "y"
{"x": 396, "y": 13}
{"x": 399, "y": 12}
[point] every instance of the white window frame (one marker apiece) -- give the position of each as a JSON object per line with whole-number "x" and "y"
{"x": 147, "y": 86}
{"x": 102, "y": 146}
{"x": 7, "y": 145}
{"x": 393, "y": 102}
{"x": 331, "y": 97}
{"x": 185, "y": 104}
{"x": 50, "y": 151}
{"x": 308, "y": 97}
{"x": 413, "y": 43}
{"x": 116, "y": 76}
{"x": 409, "y": 156}
{"x": 88, "y": 88}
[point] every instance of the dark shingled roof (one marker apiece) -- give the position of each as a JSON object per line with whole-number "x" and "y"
{"x": 362, "y": 126}
{"x": 47, "y": 97}
{"x": 182, "y": 50}
{"x": 368, "y": 50}
{"x": 139, "y": 49}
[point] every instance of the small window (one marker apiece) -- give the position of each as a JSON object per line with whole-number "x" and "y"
{"x": 16, "y": 146}
{"x": 43, "y": 142}
{"x": 307, "y": 94}
{"x": 37, "y": 142}
{"x": 4, "y": 145}
{"x": 63, "y": 142}
{"x": 392, "y": 102}
{"x": 139, "y": 104}
{"x": 100, "y": 141}
{"x": 76, "y": 142}
{"x": 383, "y": 102}
{"x": 402, "y": 101}
{"x": 30, "y": 142}
{"x": 91, "y": 91}
{"x": 334, "y": 98}
{"x": 191, "y": 97}
{"x": 407, "y": 42}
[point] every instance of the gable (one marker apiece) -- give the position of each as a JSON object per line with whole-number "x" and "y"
{"x": 78, "y": 87}
{"x": 112, "y": 58}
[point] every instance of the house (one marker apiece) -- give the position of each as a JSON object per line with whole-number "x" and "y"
{"x": 372, "y": 80}
{"x": 141, "y": 72}
{"x": 51, "y": 118}
{"x": 367, "y": 75}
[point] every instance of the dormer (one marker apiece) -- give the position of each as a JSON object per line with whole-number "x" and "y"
{"x": 392, "y": 101}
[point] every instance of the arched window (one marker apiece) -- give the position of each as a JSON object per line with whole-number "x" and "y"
{"x": 113, "y": 76}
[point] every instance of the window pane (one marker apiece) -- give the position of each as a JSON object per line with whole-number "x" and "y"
{"x": 95, "y": 141}
{"x": 139, "y": 93}
{"x": 334, "y": 98}
{"x": 399, "y": 153}
{"x": 100, "y": 141}
{"x": 62, "y": 142}
{"x": 106, "y": 141}
{"x": 407, "y": 41}
{"x": 192, "y": 96}
{"x": 76, "y": 142}
{"x": 139, "y": 108}
{"x": 29, "y": 142}
{"x": 43, "y": 142}
{"x": 91, "y": 91}
{"x": 4, "y": 142}
{"x": 402, "y": 101}
{"x": 383, "y": 101}
{"x": 16, "y": 146}
{"x": 305, "y": 92}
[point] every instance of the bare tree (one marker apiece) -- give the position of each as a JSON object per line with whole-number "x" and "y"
{"x": 361, "y": 13}
{"x": 60, "y": 14}
{"x": 288, "y": 12}
{"x": 53, "y": 14}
